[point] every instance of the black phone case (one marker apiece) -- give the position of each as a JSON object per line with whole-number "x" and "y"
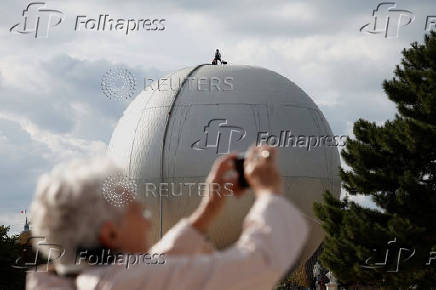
{"x": 239, "y": 166}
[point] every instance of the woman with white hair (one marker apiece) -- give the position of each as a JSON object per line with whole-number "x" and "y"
{"x": 98, "y": 238}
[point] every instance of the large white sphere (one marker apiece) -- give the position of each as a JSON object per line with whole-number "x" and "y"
{"x": 174, "y": 130}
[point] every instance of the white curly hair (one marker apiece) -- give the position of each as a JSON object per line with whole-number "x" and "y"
{"x": 69, "y": 208}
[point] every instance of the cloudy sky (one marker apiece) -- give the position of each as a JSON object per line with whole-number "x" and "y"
{"x": 52, "y": 107}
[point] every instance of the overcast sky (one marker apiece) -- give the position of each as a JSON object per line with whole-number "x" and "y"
{"x": 52, "y": 107}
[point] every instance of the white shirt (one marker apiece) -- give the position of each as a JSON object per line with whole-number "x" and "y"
{"x": 273, "y": 234}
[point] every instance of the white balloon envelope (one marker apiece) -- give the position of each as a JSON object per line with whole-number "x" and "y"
{"x": 171, "y": 133}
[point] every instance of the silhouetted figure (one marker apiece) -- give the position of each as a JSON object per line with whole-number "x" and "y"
{"x": 217, "y": 56}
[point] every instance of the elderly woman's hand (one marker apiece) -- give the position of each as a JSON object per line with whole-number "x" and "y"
{"x": 221, "y": 182}
{"x": 261, "y": 173}
{"x": 261, "y": 170}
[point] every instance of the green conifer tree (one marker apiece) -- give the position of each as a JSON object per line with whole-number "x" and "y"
{"x": 395, "y": 165}
{"x": 10, "y": 250}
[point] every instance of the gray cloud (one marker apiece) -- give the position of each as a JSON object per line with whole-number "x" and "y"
{"x": 69, "y": 117}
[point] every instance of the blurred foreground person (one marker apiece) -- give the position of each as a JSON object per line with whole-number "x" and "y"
{"x": 69, "y": 210}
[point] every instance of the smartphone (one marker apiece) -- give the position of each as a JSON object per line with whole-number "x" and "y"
{"x": 239, "y": 166}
